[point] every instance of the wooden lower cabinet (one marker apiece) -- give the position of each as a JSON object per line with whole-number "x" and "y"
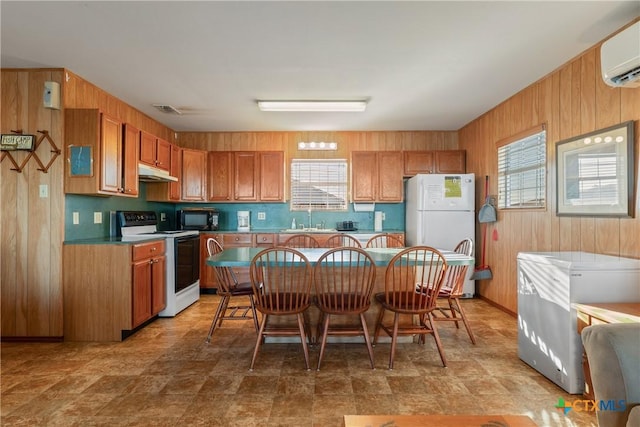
{"x": 149, "y": 291}
{"x": 110, "y": 289}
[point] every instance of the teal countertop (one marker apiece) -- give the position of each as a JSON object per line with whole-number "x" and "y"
{"x": 242, "y": 256}
{"x": 110, "y": 241}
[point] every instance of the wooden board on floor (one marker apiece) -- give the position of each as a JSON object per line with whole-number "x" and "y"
{"x": 437, "y": 421}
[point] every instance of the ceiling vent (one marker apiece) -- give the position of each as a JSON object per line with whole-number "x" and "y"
{"x": 168, "y": 109}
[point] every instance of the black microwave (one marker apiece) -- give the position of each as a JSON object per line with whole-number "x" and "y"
{"x": 197, "y": 219}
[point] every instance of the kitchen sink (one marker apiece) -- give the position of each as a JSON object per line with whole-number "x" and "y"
{"x": 309, "y": 230}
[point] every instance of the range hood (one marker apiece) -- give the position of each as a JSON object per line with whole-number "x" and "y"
{"x": 148, "y": 173}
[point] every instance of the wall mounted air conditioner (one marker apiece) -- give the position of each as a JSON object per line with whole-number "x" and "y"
{"x": 620, "y": 58}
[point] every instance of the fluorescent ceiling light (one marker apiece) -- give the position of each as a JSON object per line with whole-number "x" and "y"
{"x": 348, "y": 106}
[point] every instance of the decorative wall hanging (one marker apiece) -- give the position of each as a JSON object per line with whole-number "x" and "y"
{"x": 20, "y": 142}
{"x": 595, "y": 173}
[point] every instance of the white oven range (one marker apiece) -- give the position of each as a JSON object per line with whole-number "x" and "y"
{"x": 182, "y": 257}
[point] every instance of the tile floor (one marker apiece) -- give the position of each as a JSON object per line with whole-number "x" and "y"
{"x": 167, "y": 375}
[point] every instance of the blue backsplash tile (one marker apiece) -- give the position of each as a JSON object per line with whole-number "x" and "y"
{"x": 278, "y": 215}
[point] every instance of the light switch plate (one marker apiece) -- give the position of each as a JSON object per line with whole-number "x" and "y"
{"x": 262, "y": 215}
{"x": 97, "y": 217}
{"x": 44, "y": 191}
{"x": 76, "y": 218}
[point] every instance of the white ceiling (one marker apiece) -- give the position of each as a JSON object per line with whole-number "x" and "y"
{"x": 422, "y": 65}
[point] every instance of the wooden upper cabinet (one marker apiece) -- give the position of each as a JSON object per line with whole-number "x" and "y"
{"x": 246, "y": 175}
{"x": 416, "y": 162}
{"x": 131, "y": 148}
{"x": 241, "y": 176}
{"x": 111, "y": 158}
{"x": 93, "y": 147}
{"x": 438, "y": 161}
{"x": 390, "y": 184}
{"x": 220, "y": 173}
{"x": 272, "y": 176}
{"x": 155, "y": 151}
{"x": 194, "y": 175}
{"x": 376, "y": 176}
{"x": 163, "y": 154}
{"x": 148, "y": 148}
{"x": 364, "y": 179}
{"x": 175, "y": 188}
{"x": 451, "y": 161}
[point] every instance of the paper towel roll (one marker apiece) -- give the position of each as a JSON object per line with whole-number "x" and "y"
{"x": 377, "y": 221}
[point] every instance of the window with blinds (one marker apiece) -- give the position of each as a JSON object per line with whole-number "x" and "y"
{"x": 522, "y": 171}
{"x": 318, "y": 184}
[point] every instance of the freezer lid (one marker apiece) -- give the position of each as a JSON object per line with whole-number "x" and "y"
{"x": 576, "y": 260}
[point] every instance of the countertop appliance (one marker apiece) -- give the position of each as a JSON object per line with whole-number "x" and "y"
{"x": 205, "y": 219}
{"x": 548, "y": 284}
{"x": 182, "y": 257}
{"x": 440, "y": 212}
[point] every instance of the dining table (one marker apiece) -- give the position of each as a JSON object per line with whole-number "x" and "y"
{"x": 242, "y": 256}
{"x": 238, "y": 257}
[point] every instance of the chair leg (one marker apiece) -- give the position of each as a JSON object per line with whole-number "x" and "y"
{"x": 367, "y": 340}
{"x": 319, "y": 327}
{"x": 376, "y": 333}
{"x": 452, "y": 308}
{"x": 219, "y": 313}
{"x": 465, "y": 320}
{"x": 324, "y": 333}
{"x": 224, "y": 303}
{"x": 255, "y": 313}
{"x": 303, "y": 338}
{"x": 259, "y": 340}
{"x": 394, "y": 337}
{"x": 436, "y": 336}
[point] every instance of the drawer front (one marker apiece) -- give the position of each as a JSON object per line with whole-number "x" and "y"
{"x": 237, "y": 239}
{"x": 148, "y": 250}
{"x": 265, "y": 239}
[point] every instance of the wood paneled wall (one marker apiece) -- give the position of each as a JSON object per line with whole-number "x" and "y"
{"x": 32, "y": 228}
{"x": 347, "y": 141}
{"x": 572, "y": 101}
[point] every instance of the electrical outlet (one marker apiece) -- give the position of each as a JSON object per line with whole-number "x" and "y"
{"x": 262, "y": 215}
{"x": 163, "y": 216}
{"x": 97, "y": 217}
{"x": 76, "y": 218}
{"x": 383, "y": 216}
{"x": 44, "y": 191}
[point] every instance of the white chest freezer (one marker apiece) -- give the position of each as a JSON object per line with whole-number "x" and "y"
{"x": 548, "y": 284}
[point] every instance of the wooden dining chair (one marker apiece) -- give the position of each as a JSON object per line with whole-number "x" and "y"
{"x": 417, "y": 267}
{"x": 301, "y": 241}
{"x": 281, "y": 280}
{"x": 228, "y": 288}
{"x": 452, "y": 290}
{"x": 339, "y": 240}
{"x": 343, "y": 278}
{"x": 384, "y": 240}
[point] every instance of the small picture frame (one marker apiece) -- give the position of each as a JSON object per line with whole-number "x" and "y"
{"x": 595, "y": 173}
{"x": 17, "y": 141}
{"x": 80, "y": 160}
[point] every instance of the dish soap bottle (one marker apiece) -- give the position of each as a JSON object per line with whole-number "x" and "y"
{"x": 293, "y": 224}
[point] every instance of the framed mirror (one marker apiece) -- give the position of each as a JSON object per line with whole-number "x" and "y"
{"x": 595, "y": 173}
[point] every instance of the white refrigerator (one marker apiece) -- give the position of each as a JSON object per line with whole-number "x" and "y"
{"x": 548, "y": 284}
{"x": 440, "y": 212}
